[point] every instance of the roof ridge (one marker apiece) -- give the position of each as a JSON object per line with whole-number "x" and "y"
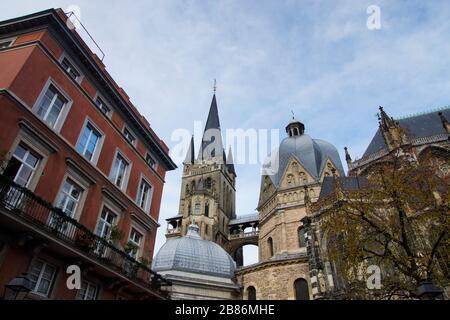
{"x": 421, "y": 113}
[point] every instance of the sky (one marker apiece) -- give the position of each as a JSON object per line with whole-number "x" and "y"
{"x": 317, "y": 58}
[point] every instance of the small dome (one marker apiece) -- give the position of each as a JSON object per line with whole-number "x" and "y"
{"x": 193, "y": 254}
{"x": 311, "y": 153}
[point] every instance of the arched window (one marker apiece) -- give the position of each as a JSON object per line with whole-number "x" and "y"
{"x": 301, "y": 289}
{"x": 208, "y": 183}
{"x": 197, "y": 208}
{"x": 207, "y": 208}
{"x": 251, "y": 293}
{"x": 301, "y": 237}
{"x": 270, "y": 246}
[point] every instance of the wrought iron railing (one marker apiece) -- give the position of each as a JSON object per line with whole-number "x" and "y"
{"x": 23, "y": 203}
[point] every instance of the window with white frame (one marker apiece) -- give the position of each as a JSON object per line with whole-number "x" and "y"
{"x": 70, "y": 68}
{"x": 105, "y": 223}
{"x": 88, "y": 141}
{"x": 69, "y": 197}
{"x": 88, "y": 291}
{"x": 128, "y": 135}
{"x": 134, "y": 243}
{"x": 51, "y": 106}
{"x": 22, "y": 165}
{"x": 102, "y": 106}
{"x": 150, "y": 160}
{"x": 41, "y": 276}
{"x": 119, "y": 170}
{"x": 144, "y": 194}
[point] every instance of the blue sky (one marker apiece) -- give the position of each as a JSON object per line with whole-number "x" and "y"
{"x": 315, "y": 57}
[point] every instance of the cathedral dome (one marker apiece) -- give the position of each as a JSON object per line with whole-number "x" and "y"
{"x": 311, "y": 153}
{"x": 193, "y": 254}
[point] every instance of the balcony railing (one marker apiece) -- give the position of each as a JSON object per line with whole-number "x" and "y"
{"x": 243, "y": 235}
{"x": 23, "y": 203}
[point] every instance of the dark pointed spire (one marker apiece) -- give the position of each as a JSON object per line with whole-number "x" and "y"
{"x": 230, "y": 163}
{"x": 347, "y": 156}
{"x": 385, "y": 121}
{"x": 212, "y": 137}
{"x": 190, "y": 158}
{"x": 445, "y": 122}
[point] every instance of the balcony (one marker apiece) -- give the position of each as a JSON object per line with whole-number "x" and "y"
{"x": 21, "y": 210}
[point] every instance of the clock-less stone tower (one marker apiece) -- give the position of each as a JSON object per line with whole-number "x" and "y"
{"x": 207, "y": 188}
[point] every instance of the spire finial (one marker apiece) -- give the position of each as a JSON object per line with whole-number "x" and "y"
{"x": 215, "y": 86}
{"x": 293, "y": 115}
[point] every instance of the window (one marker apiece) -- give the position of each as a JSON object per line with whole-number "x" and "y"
{"x": 88, "y": 291}
{"x": 102, "y": 106}
{"x": 251, "y": 293}
{"x": 144, "y": 195}
{"x": 129, "y": 136}
{"x": 6, "y": 43}
{"x": 301, "y": 237}
{"x": 22, "y": 165}
{"x": 71, "y": 70}
{"x": 51, "y": 105}
{"x": 301, "y": 289}
{"x": 41, "y": 277}
{"x": 150, "y": 161}
{"x": 105, "y": 223}
{"x": 69, "y": 198}
{"x": 119, "y": 170}
{"x": 207, "y": 209}
{"x": 88, "y": 141}
{"x": 134, "y": 243}
{"x": 270, "y": 245}
{"x": 197, "y": 208}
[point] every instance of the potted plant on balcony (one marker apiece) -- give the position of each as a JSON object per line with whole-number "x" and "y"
{"x": 84, "y": 242}
{"x": 131, "y": 248}
{"x": 115, "y": 235}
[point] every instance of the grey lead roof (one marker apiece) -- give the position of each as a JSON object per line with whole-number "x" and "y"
{"x": 193, "y": 254}
{"x": 244, "y": 219}
{"x": 424, "y": 125}
{"x": 311, "y": 153}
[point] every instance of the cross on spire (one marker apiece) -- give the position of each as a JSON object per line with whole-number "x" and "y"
{"x": 215, "y": 86}
{"x": 293, "y": 115}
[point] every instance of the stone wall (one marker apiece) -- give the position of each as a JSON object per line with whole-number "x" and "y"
{"x": 274, "y": 281}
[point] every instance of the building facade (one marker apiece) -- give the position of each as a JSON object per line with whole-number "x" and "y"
{"x": 82, "y": 171}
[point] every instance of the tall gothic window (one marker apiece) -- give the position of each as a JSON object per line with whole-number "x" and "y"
{"x": 207, "y": 209}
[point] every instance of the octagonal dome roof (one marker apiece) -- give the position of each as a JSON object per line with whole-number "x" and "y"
{"x": 193, "y": 254}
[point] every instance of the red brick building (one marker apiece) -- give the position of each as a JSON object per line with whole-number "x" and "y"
{"x": 82, "y": 170}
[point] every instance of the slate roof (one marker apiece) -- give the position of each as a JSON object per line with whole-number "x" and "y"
{"x": 423, "y": 125}
{"x": 311, "y": 153}
{"x": 347, "y": 183}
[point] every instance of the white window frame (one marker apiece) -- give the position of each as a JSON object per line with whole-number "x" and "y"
{"x": 12, "y": 39}
{"x": 29, "y": 151}
{"x": 64, "y": 111}
{"x": 115, "y": 222}
{"x": 52, "y": 280}
{"x": 126, "y": 176}
{"x": 89, "y": 284}
{"x": 98, "y": 146}
{"x": 148, "y": 154}
{"x": 148, "y": 204}
{"x": 141, "y": 244}
{"x": 78, "y": 79}
{"x": 134, "y": 142}
{"x": 107, "y": 105}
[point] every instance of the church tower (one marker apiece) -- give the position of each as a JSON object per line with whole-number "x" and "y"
{"x": 208, "y": 186}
